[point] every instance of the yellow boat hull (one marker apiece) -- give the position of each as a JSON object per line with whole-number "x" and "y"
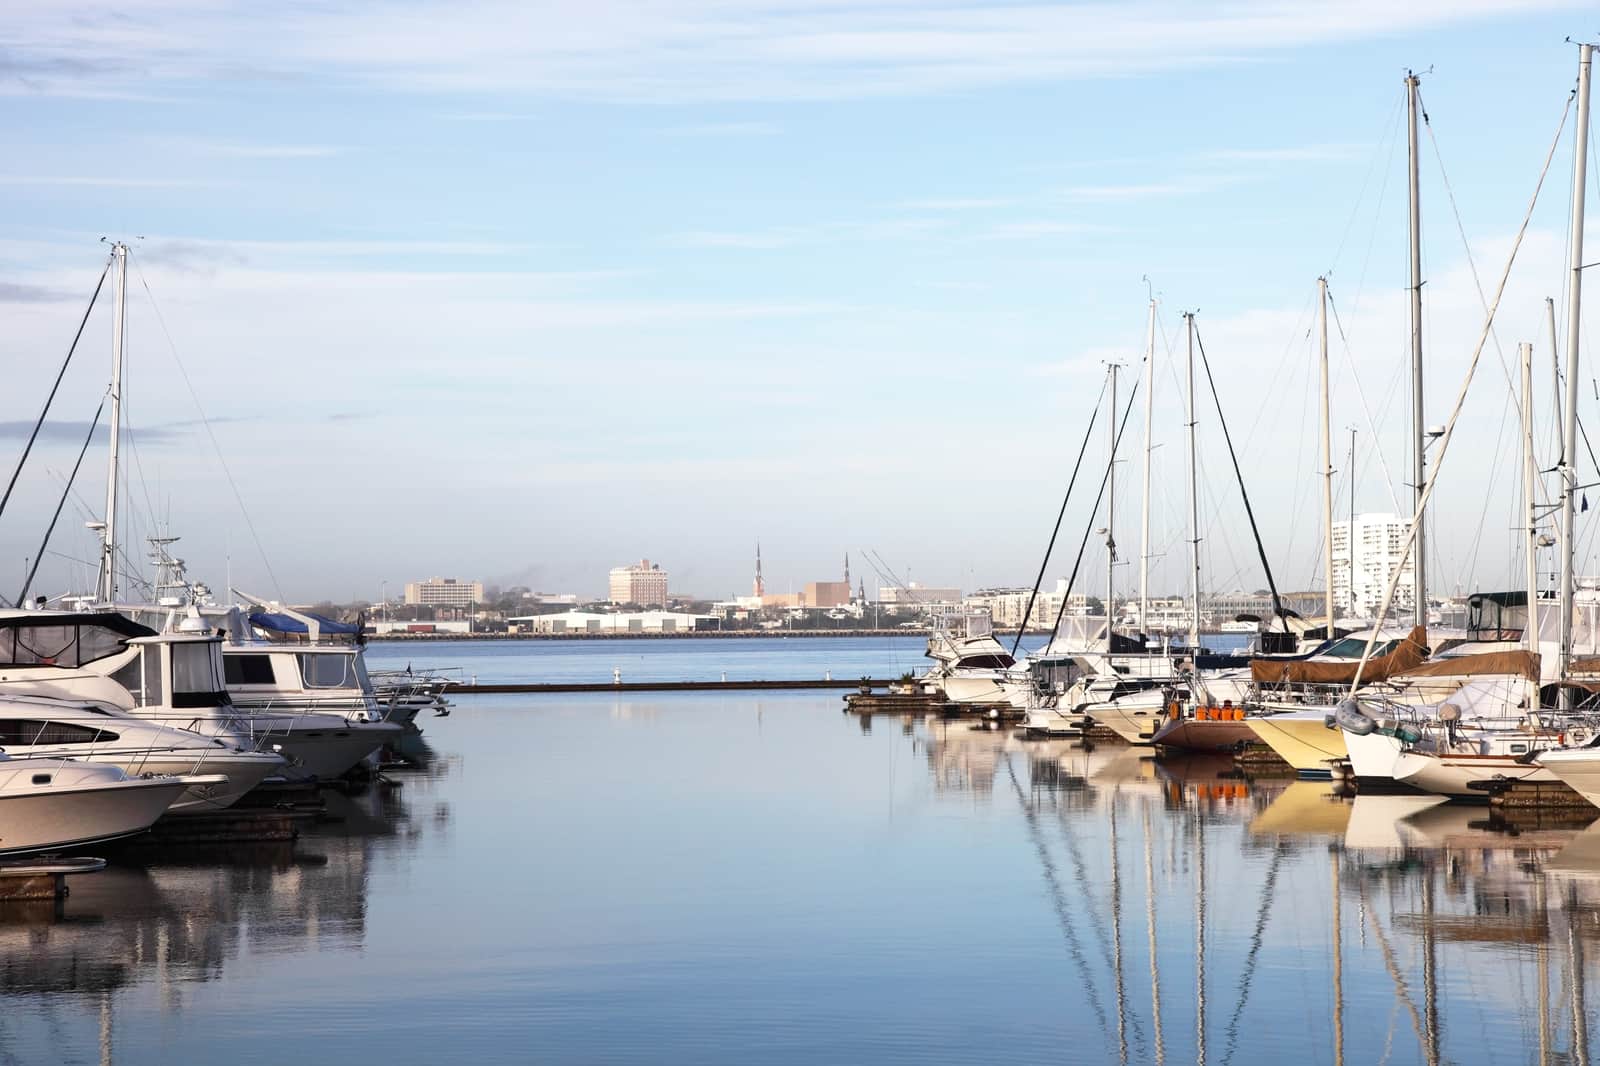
{"x": 1302, "y": 742}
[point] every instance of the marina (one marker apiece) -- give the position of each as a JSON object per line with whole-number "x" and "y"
{"x": 756, "y": 533}
{"x": 1178, "y": 906}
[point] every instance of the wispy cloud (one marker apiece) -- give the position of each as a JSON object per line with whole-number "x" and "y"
{"x": 681, "y": 49}
{"x": 12, "y": 292}
{"x": 820, "y": 233}
{"x": 103, "y": 181}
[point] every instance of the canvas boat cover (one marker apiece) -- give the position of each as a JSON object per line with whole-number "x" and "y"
{"x": 1407, "y": 655}
{"x": 282, "y": 623}
{"x": 1523, "y": 664}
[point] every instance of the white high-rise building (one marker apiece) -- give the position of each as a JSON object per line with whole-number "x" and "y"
{"x": 444, "y": 592}
{"x": 1365, "y": 561}
{"x": 643, "y": 583}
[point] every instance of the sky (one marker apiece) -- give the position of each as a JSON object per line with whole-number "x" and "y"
{"x": 523, "y": 291}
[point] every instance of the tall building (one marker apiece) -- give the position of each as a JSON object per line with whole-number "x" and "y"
{"x": 444, "y": 592}
{"x": 643, "y": 583}
{"x": 1365, "y": 558}
{"x": 758, "y": 588}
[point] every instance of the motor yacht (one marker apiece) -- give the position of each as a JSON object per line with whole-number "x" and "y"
{"x": 35, "y": 726}
{"x": 50, "y": 804}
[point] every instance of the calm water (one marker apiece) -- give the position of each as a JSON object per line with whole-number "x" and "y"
{"x": 734, "y": 880}
{"x": 679, "y": 658}
{"x": 661, "y": 659}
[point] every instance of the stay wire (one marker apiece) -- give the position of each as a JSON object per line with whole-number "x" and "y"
{"x": 1045, "y": 562}
{"x": 37, "y": 426}
{"x": 44, "y": 545}
{"x": 206, "y": 422}
{"x": 1255, "y": 531}
{"x": 1088, "y": 527}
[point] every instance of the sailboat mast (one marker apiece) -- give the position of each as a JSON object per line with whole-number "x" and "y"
{"x": 1419, "y": 430}
{"x": 1149, "y": 425}
{"x": 1327, "y": 461}
{"x": 1194, "y": 506}
{"x": 1569, "y": 458}
{"x": 1530, "y": 497}
{"x": 1111, "y": 506}
{"x": 108, "y": 543}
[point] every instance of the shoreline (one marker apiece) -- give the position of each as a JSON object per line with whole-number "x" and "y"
{"x": 693, "y": 634}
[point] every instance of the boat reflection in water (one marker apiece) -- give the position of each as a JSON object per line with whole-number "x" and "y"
{"x": 1265, "y": 917}
{"x": 163, "y": 921}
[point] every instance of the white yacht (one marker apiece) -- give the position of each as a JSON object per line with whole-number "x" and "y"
{"x": 48, "y": 804}
{"x": 175, "y": 679}
{"x": 35, "y": 726}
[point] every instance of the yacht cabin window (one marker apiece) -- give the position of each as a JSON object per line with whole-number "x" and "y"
{"x": 195, "y": 678}
{"x": 328, "y": 670}
{"x": 248, "y": 670}
{"x": 19, "y": 732}
{"x": 58, "y": 645}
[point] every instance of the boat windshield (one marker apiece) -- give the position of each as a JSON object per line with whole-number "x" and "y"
{"x": 328, "y": 670}
{"x": 1354, "y": 647}
{"x": 196, "y": 681}
{"x": 58, "y": 645}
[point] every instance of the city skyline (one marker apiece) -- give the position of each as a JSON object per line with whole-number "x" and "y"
{"x": 611, "y": 343}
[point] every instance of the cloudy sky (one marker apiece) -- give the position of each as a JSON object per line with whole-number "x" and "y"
{"x": 522, "y": 291}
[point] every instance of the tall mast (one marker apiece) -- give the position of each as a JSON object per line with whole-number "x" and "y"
{"x": 1419, "y": 430}
{"x": 1327, "y": 461}
{"x": 1350, "y": 530}
{"x": 108, "y": 543}
{"x": 1111, "y": 505}
{"x": 1530, "y": 500}
{"x": 1149, "y": 425}
{"x": 1569, "y": 458}
{"x": 1194, "y": 504}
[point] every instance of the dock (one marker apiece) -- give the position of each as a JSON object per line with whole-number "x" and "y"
{"x": 43, "y": 878}
{"x": 476, "y": 689}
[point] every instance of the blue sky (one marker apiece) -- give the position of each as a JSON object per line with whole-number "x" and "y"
{"x": 522, "y": 292}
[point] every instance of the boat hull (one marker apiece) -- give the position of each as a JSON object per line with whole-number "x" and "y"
{"x": 53, "y": 819}
{"x": 1453, "y": 775}
{"x": 1579, "y": 770}
{"x": 1189, "y": 734}
{"x": 1372, "y": 757}
{"x": 1299, "y": 739}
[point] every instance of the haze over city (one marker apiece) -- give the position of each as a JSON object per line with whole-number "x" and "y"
{"x": 547, "y": 291}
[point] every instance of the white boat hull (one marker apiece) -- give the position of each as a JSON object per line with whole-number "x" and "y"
{"x": 1453, "y": 775}
{"x": 1372, "y": 757}
{"x": 52, "y": 819}
{"x": 1578, "y": 769}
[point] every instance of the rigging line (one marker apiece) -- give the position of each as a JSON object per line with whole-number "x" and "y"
{"x": 1432, "y": 482}
{"x": 44, "y": 545}
{"x": 1263, "y": 912}
{"x": 1066, "y": 596}
{"x": 1461, "y": 230}
{"x": 1058, "y": 898}
{"x": 27, "y": 448}
{"x": 1255, "y": 531}
{"x": 210, "y": 433}
{"x": 1045, "y": 562}
{"x": 1391, "y": 124}
{"x": 1361, "y": 394}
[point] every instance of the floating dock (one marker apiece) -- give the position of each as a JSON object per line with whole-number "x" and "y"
{"x": 665, "y": 686}
{"x": 45, "y": 878}
{"x": 902, "y": 703}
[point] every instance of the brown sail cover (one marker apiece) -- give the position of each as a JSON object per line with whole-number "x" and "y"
{"x": 1585, "y": 666}
{"x": 1521, "y": 663}
{"x": 1407, "y": 655}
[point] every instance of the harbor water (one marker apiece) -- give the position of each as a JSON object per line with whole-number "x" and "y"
{"x": 732, "y": 879}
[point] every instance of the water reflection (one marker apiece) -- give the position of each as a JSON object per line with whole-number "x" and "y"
{"x": 168, "y": 919}
{"x": 1273, "y": 914}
